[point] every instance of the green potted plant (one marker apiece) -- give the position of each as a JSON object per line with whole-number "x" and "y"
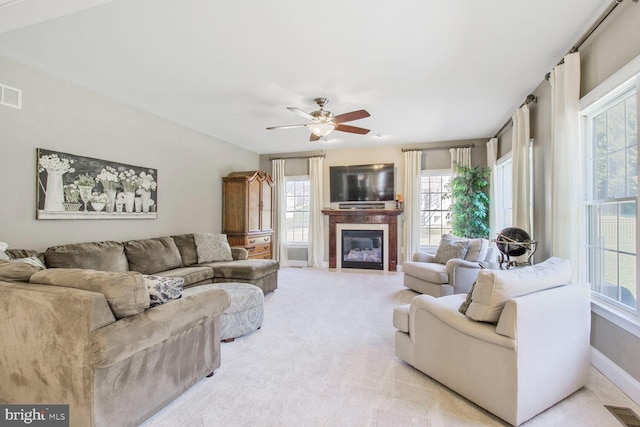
{"x": 469, "y": 202}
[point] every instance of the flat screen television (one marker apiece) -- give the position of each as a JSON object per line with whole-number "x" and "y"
{"x": 362, "y": 183}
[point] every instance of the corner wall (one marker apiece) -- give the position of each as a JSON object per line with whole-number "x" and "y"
{"x": 59, "y": 116}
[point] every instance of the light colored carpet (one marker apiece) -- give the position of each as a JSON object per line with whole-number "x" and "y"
{"x": 325, "y": 357}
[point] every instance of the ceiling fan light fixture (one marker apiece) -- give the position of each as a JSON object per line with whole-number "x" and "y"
{"x": 321, "y": 129}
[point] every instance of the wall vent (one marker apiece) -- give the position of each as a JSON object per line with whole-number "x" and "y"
{"x": 10, "y": 96}
{"x": 625, "y": 415}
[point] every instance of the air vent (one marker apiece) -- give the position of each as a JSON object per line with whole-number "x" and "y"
{"x": 625, "y": 415}
{"x": 10, "y": 96}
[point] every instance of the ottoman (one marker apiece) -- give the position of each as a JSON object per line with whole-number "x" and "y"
{"x": 246, "y": 312}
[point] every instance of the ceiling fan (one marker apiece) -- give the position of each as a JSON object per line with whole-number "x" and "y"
{"x": 323, "y": 122}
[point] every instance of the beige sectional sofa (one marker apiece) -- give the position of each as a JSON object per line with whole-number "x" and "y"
{"x": 82, "y": 332}
{"x": 168, "y": 256}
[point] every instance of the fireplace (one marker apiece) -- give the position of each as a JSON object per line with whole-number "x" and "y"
{"x": 363, "y": 249}
{"x": 382, "y": 220}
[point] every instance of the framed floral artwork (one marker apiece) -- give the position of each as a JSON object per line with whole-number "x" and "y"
{"x": 78, "y": 187}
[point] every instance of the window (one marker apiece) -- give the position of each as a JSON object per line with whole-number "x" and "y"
{"x": 611, "y": 132}
{"x": 298, "y": 200}
{"x": 504, "y": 193}
{"x": 435, "y": 208}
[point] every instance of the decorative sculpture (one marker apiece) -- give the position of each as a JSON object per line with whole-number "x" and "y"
{"x": 514, "y": 242}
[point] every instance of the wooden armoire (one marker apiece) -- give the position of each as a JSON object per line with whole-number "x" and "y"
{"x": 247, "y": 212}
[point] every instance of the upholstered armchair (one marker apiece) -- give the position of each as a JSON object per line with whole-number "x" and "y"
{"x": 451, "y": 270}
{"x": 521, "y": 345}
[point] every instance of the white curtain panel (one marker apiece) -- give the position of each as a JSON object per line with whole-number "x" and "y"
{"x": 280, "y": 213}
{"x": 492, "y": 161}
{"x": 566, "y": 182}
{"x": 316, "y": 218}
{"x": 459, "y": 157}
{"x": 521, "y": 170}
{"x": 411, "y": 232}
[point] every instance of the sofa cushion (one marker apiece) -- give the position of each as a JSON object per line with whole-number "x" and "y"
{"x": 477, "y": 250}
{"x": 401, "y": 317}
{"x": 126, "y": 292}
{"x": 148, "y": 256}
{"x": 250, "y": 269}
{"x": 451, "y": 247}
{"x": 187, "y": 247}
{"x": 103, "y": 256}
{"x": 163, "y": 289}
{"x": 494, "y": 287}
{"x": 14, "y": 271}
{"x": 190, "y": 275}
{"x": 429, "y": 271}
{"x": 212, "y": 247}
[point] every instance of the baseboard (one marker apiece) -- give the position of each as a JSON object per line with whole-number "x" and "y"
{"x": 625, "y": 382}
{"x": 298, "y": 263}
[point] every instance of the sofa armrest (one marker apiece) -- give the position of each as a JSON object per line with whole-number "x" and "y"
{"x": 462, "y": 274}
{"x": 44, "y": 331}
{"x": 133, "y": 334}
{"x": 239, "y": 253}
{"x": 552, "y": 331}
{"x": 423, "y": 257}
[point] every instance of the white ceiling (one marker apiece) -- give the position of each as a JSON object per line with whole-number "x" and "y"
{"x": 426, "y": 71}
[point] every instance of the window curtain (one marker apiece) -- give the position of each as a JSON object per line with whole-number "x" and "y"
{"x": 316, "y": 219}
{"x": 411, "y": 235}
{"x": 521, "y": 171}
{"x": 280, "y": 213}
{"x": 566, "y": 182}
{"x": 459, "y": 157}
{"x": 492, "y": 161}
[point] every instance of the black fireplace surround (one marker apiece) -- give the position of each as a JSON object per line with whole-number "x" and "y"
{"x": 363, "y": 249}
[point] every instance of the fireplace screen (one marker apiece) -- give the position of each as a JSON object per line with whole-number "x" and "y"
{"x": 362, "y": 249}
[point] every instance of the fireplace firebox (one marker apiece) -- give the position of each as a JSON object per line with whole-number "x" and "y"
{"x": 363, "y": 249}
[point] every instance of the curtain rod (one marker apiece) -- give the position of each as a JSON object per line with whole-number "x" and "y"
{"x": 531, "y": 99}
{"x": 404, "y": 150}
{"x": 575, "y": 48}
{"x": 298, "y": 157}
{"x": 590, "y": 31}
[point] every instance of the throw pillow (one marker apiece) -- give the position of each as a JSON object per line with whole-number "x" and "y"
{"x": 31, "y": 260}
{"x": 467, "y": 302}
{"x": 495, "y": 287}
{"x": 451, "y": 247}
{"x": 3, "y": 255}
{"x": 212, "y": 247}
{"x": 163, "y": 289}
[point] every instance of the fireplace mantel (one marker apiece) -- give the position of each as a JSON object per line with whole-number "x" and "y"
{"x": 364, "y": 216}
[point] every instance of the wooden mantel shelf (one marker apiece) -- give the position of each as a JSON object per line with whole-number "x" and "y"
{"x": 364, "y": 216}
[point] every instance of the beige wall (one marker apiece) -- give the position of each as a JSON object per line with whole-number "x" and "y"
{"x": 59, "y": 116}
{"x": 612, "y": 46}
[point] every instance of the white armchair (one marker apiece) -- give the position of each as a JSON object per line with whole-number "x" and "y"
{"x": 530, "y": 350}
{"x": 426, "y": 273}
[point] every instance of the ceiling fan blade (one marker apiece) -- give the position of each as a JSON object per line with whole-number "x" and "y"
{"x": 348, "y": 117}
{"x": 352, "y": 129}
{"x": 286, "y": 127}
{"x": 302, "y": 113}
{"x": 314, "y": 137}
